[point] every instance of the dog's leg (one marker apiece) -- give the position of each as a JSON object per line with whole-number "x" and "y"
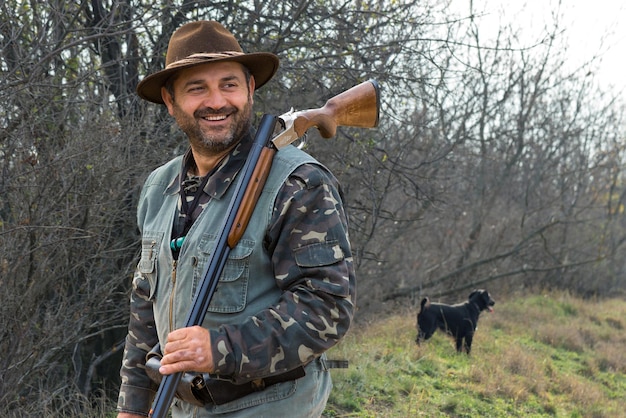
{"x": 459, "y": 344}
{"x": 468, "y": 343}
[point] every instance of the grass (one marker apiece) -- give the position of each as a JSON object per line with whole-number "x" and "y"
{"x": 537, "y": 356}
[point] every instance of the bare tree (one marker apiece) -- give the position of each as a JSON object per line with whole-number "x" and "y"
{"x": 518, "y": 203}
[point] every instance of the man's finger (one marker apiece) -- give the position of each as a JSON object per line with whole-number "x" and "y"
{"x": 181, "y": 366}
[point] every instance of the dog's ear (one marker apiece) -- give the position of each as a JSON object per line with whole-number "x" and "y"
{"x": 474, "y": 293}
{"x": 489, "y": 299}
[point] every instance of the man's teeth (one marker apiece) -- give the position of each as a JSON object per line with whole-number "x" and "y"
{"x": 215, "y": 117}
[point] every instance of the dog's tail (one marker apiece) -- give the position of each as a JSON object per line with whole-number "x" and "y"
{"x": 421, "y": 335}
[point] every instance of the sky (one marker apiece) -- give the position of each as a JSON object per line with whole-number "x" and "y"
{"x": 592, "y": 27}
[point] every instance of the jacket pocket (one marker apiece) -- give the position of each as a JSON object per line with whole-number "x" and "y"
{"x": 232, "y": 289}
{"x": 148, "y": 265}
{"x": 320, "y": 254}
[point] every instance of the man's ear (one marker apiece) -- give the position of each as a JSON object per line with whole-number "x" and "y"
{"x": 168, "y": 100}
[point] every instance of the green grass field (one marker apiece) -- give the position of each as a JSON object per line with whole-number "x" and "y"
{"x": 535, "y": 356}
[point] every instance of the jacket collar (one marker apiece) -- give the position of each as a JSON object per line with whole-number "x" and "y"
{"x": 223, "y": 177}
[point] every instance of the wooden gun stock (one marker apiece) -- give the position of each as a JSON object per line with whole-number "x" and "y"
{"x": 253, "y": 191}
{"x": 357, "y": 107}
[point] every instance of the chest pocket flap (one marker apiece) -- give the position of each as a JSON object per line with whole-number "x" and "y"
{"x": 232, "y": 289}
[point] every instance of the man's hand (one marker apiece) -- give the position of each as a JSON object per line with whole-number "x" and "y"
{"x": 187, "y": 349}
{"x": 127, "y": 415}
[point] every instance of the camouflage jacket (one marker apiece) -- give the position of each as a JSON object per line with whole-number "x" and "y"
{"x": 305, "y": 244}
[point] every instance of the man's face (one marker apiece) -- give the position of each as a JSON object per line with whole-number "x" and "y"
{"x": 212, "y": 104}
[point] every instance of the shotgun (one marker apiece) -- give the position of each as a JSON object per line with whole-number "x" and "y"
{"x": 355, "y": 107}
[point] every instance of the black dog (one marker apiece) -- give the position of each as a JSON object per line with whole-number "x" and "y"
{"x": 458, "y": 320}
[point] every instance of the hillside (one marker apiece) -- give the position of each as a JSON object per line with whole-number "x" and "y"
{"x": 535, "y": 356}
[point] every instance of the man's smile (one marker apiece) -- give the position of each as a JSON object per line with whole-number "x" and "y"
{"x": 212, "y": 118}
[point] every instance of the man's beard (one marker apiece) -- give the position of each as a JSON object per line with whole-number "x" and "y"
{"x": 215, "y": 142}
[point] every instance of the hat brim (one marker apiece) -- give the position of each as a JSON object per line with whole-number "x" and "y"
{"x": 262, "y": 65}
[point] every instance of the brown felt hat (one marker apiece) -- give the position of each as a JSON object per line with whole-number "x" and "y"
{"x": 200, "y": 43}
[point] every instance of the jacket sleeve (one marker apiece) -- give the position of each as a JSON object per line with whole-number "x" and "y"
{"x": 308, "y": 244}
{"x": 137, "y": 390}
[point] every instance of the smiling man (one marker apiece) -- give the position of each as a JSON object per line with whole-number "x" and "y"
{"x": 287, "y": 292}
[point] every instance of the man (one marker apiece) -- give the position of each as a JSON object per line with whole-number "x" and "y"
{"x": 287, "y": 292}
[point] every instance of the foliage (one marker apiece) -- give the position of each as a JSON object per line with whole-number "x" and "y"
{"x": 551, "y": 355}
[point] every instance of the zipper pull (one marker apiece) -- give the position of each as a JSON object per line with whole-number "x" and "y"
{"x": 171, "y": 303}
{"x": 174, "y": 265}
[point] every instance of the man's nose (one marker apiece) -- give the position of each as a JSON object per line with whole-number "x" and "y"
{"x": 214, "y": 99}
